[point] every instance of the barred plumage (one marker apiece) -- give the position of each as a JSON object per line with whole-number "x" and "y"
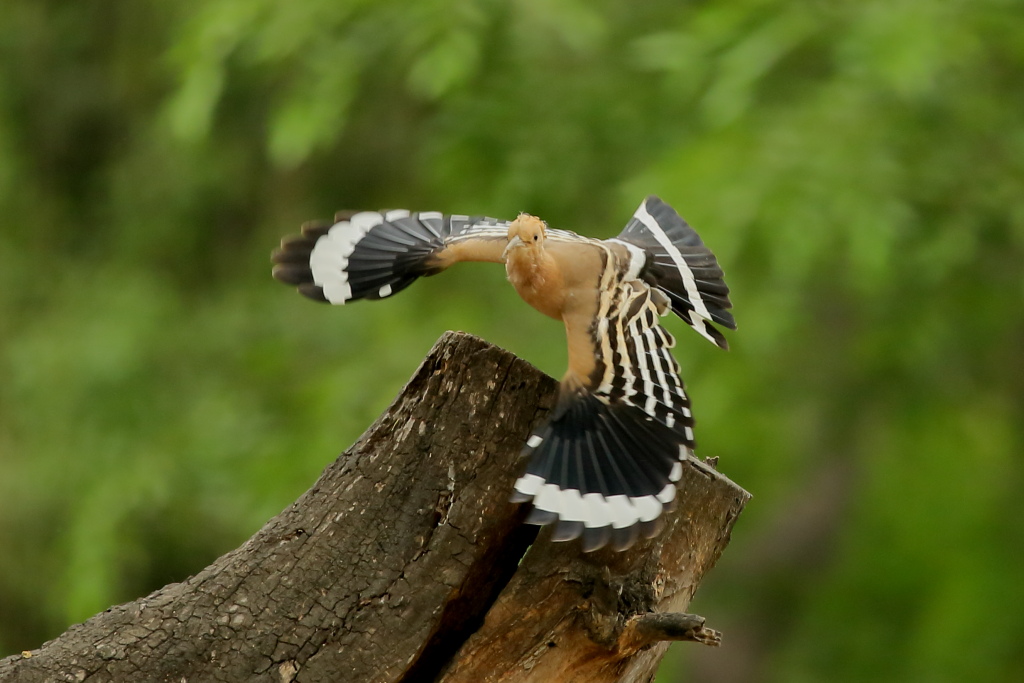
{"x": 605, "y": 464}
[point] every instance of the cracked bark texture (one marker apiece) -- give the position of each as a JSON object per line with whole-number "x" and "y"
{"x": 405, "y": 562}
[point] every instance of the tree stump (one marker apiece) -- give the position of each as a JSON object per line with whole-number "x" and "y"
{"x": 406, "y": 562}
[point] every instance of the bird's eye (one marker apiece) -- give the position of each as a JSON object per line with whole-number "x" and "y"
{"x": 536, "y": 237}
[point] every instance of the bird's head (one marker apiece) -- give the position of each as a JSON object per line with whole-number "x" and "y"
{"x": 526, "y": 232}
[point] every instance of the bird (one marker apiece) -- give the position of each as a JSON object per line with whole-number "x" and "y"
{"x": 607, "y": 462}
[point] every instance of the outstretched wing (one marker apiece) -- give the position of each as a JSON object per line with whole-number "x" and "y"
{"x": 678, "y": 263}
{"x": 606, "y": 463}
{"x": 371, "y": 255}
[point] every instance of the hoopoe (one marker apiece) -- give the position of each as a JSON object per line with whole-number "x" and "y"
{"x": 606, "y": 463}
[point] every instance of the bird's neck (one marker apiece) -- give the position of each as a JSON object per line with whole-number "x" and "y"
{"x": 537, "y": 279}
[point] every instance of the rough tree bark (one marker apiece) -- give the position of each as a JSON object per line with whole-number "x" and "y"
{"x": 405, "y": 562}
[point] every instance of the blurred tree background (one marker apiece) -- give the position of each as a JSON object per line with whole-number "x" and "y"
{"x": 857, "y": 166}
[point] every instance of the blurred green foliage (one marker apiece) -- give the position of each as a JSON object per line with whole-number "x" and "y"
{"x": 858, "y": 167}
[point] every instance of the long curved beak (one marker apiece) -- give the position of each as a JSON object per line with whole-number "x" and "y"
{"x": 512, "y": 243}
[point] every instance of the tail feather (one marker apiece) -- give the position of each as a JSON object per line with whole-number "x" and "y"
{"x": 594, "y": 538}
{"x": 624, "y": 537}
{"x": 603, "y": 471}
{"x": 647, "y": 470}
{"x": 651, "y": 467}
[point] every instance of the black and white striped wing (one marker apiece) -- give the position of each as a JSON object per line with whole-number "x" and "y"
{"x": 606, "y": 464}
{"x": 372, "y": 255}
{"x": 678, "y": 263}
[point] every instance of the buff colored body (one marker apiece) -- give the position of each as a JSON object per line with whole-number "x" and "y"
{"x": 562, "y": 281}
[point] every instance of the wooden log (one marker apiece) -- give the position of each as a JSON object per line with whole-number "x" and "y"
{"x": 406, "y": 562}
